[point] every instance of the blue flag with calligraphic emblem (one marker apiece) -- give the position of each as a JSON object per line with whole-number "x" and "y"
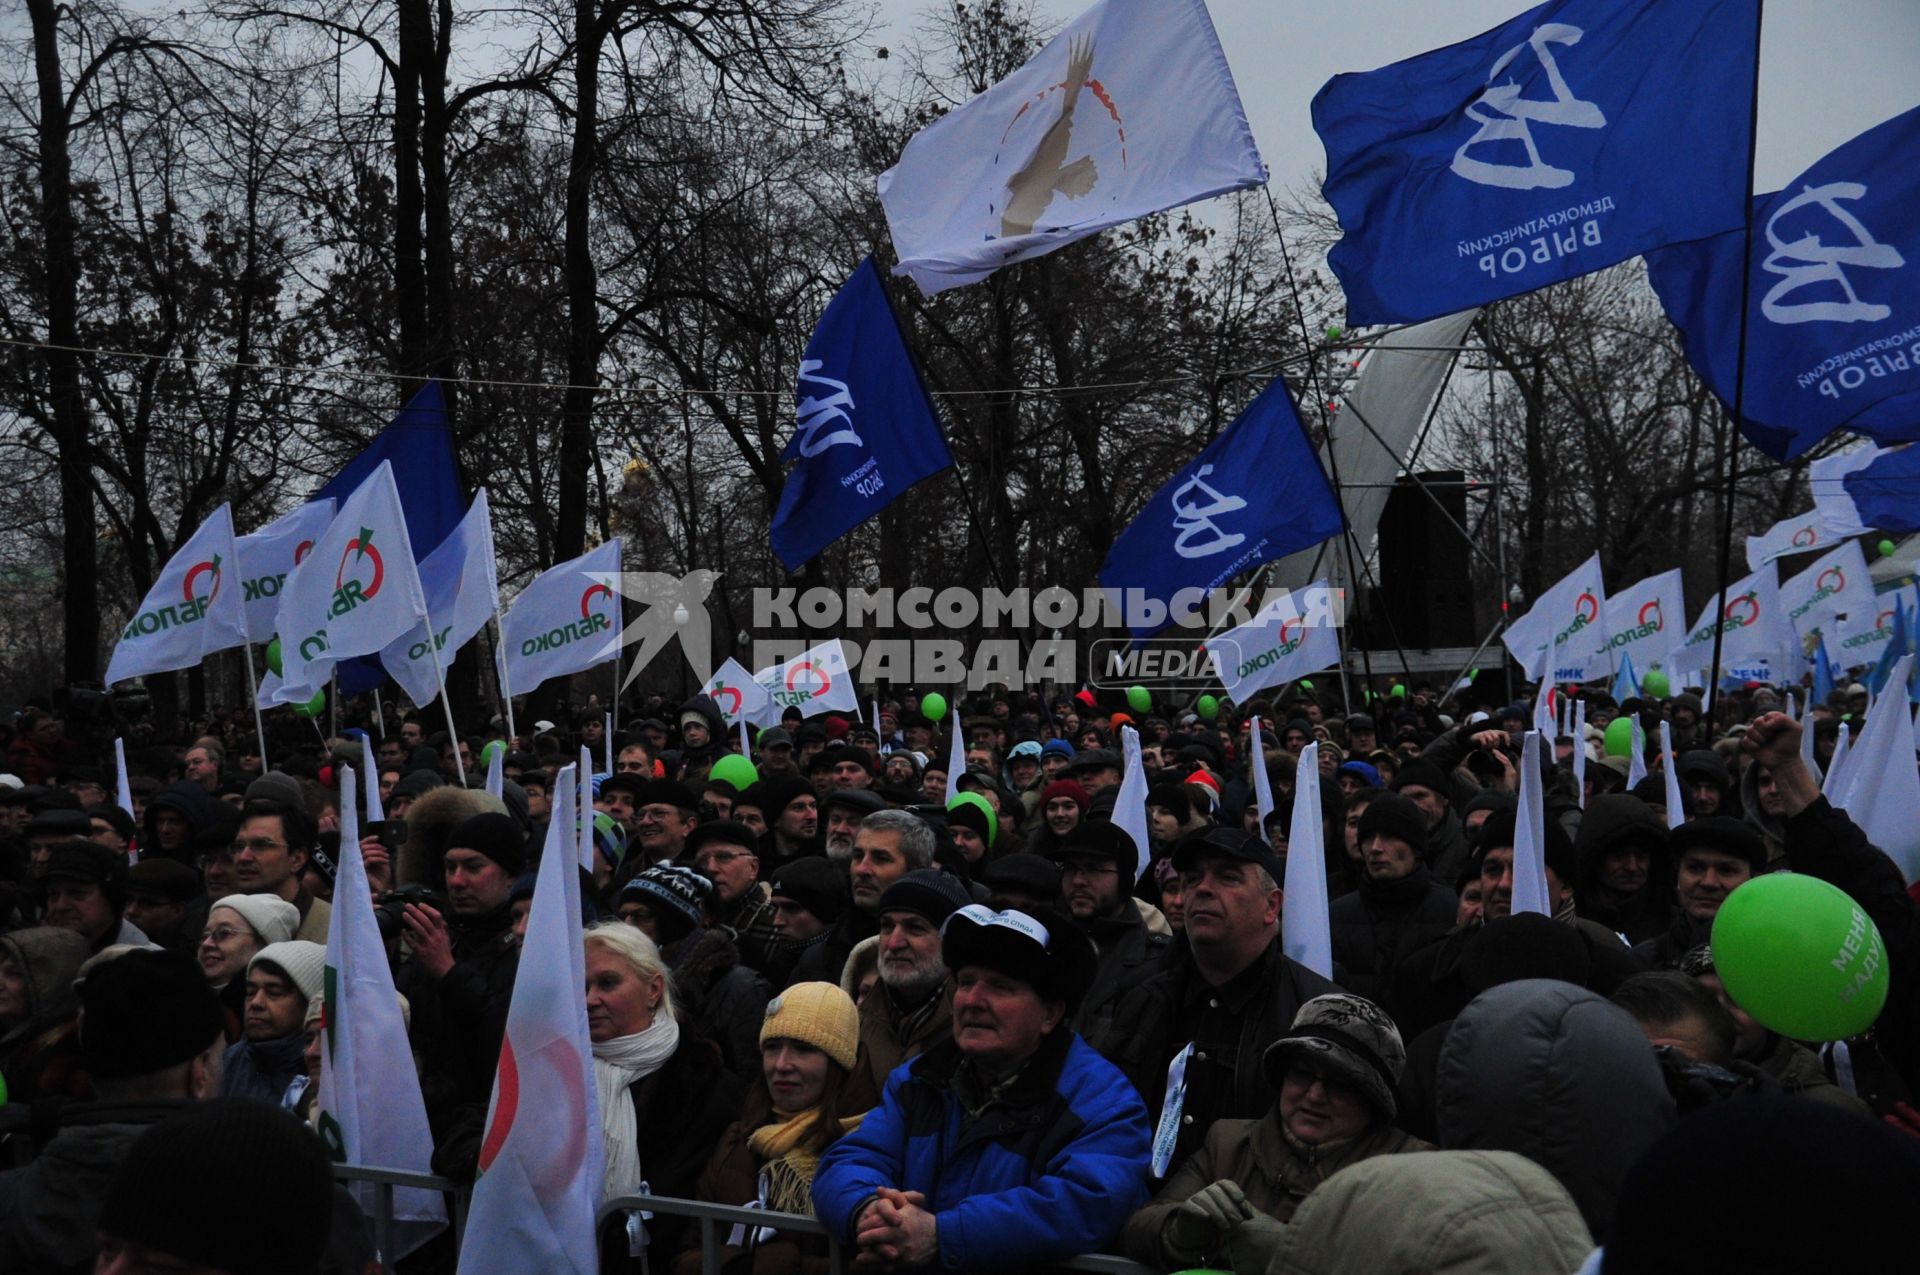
{"x": 1571, "y": 138}
{"x": 864, "y": 429}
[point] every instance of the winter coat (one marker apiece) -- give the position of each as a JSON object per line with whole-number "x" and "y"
{"x": 1274, "y": 1173}
{"x": 732, "y": 1176}
{"x": 50, "y": 1210}
{"x": 889, "y": 1038}
{"x": 1773, "y": 828}
{"x": 1048, "y": 1169}
{"x": 1154, "y": 1022}
{"x": 717, "y": 740}
{"x": 749, "y": 922}
{"x": 460, "y": 1020}
{"x": 1443, "y": 1213}
{"x": 431, "y": 819}
{"x": 1557, "y": 1074}
{"x": 825, "y": 960}
{"x": 1664, "y": 950}
{"x": 263, "y": 1068}
{"x": 1797, "y": 1070}
{"x": 680, "y": 1111}
{"x": 1612, "y": 822}
{"x": 41, "y": 1055}
{"x": 1130, "y": 952}
{"x": 719, "y": 998}
{"x": 188, "y": 800}
{"x": 1382, "y": 923}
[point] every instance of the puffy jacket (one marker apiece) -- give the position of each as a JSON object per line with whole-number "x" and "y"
{"x": 1049, "y": 1169}
{"x": 1443, "y": 1213}
{"x": 1557, "y": 1074}
{"x": 1612, "y": 822}
{"x": 1274, "y": 1173}
{"x": 1382, "y": 923}
{"x": 263, "y": 1068}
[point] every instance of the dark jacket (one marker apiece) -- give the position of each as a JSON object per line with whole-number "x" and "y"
{"x": 716, "y": 745}
{"x": 1382, "y": 923}
{"x": 460, "y": 1020}
{"x": 263, "y": 1068}
{"x": 1664, "y": 950}
{"x": 190, "y": 801}
{"x": 1613, "y": 822}
{"x": 1129, "y": 953}
{"x": 719, "y": 998}
{"x": 50, "y": 1210}
{"x": 1049, "y": 1168}
{"x": 1172, "y": 1009}
{"x": 825, "y": 961}
{"x": 42, "y": 1054}
{"x": 889, "y": 1037}
{"x": 1274, "y": 1173}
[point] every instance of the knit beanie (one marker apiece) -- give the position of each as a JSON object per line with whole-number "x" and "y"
{"x": 1499, "y": 830}
{"x": 304, "y": 963}
{"x": 1423, "y": 774}
{"x": 1395, "y": 816}
{"x": 1172, "y": 798}
{"x": 143, "y": 1012}
{"x": 970, "y": 810}
{"x": 496, "y": 836}
{"x": 271, "y": 918}
{"x": 233, "y": 1184}
{"x": 610, "y": 839}
{"x": 1068, "y": 788}
{"x": 930, "y": 892}
{"x": 681, "y": 891}
{"x": 815, "y": 884}
{"x": 817, "y": 1014}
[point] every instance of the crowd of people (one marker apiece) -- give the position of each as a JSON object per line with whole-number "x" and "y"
{"x": 972, "y": 1032}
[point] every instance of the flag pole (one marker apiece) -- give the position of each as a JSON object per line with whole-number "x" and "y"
{"x": 379, "y": 714}
{"x": 500, "y": 672}
{"x": 253, "y": 693}
{"x": 446, "y": 702}
{"x": 1740, "y": 358}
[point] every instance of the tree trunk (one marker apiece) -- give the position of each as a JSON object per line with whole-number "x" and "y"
{"x": 582, "y": 283}
{"x": 409, "y": 274}
{"x": 72, "y": 421}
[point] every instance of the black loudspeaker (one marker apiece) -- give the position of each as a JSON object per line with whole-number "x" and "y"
{"x": 1426, "y": 582}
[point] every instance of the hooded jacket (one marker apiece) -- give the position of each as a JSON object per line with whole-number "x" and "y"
{"x": 716, "y": 731}
{"x": 1557, "y": 1074}
{"x": 1443, "y": 1213}
{"x": 1613, "y": 822}
{"x": 186, "y": 799}
{"x": 263, "y": 1068}
{"x": 42, "y": 1052}
{"x": 1773, "y": 828}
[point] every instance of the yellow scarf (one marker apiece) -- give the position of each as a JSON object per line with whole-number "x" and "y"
{"x": 787, "y": 1169}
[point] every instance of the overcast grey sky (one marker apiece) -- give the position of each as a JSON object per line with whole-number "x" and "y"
{"x": 1829, "y": 68}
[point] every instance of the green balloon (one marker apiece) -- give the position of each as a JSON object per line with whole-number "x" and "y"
{"x": 986, "y": 808}
{"x": 313, "y": 707}
{"x": 1139, "y": 700}
{"x": 1620, "y": 737}
{"x": 736, "y": 770}
{"x": 3, "y": 1091}
{"x": 1801, "y": 957}
{"x": 1655, "y": 684}
{"x": 1886, "y": 548}
{"x": 273, "y": 658}
{"x": 934, "y": 706}
{"x": 1208, "y": 707}
{"x": 1398, "y": 692}
{"x": 492, "y": 746}
{"x": 1305, "y": 684}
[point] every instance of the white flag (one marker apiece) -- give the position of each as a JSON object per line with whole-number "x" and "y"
{"x": 371, "y": 1108}
{"x": 956, "y": 754}
{"x": 1676, "y": 805}
{"x": 1262, "y": 782}
{"x": 583, "y": 814}
{"x": 1802, "y": 533}
{"x": 1530, "y": 835}
{"x": 268, "y": 557}
{"x": 1637, "y": 764}
{"x": 1276, "y": 646}
{"x": 542, "y": 1162}
{"x": 1306, "y": 933}
{"x": 1130, "y": 801}
{"x": 192, "y": 610}
{"x": 1863, "y": 639}
{"x": 357, "y": 591}
{"x": 1836, "y": 780}
{"x": 1129, "y": 111}
{"x": 123, "y": 788}
{"x": 736, "y": 694}
{"x": 370, "y": 780}
{"x": 462, "y": 593}
{"x": 1647, "y": 621}
{"x": 1827, "y": 481}
{"x": 1564, "y": 637}
{"x": 1753, "y": 623}
{"x": 560, "y": 623}
{"x": 1836, "y": 584}
{"x": 496, "y": 772}
{"x": 1881, "y": 789}
{"x": 815, "y": 681}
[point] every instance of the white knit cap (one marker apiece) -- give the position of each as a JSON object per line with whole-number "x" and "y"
{"x": 272, "y": 918}
{"x": 305, "y": 963}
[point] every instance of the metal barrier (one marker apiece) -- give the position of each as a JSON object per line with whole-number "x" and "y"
{"x": 710, "y": 1218}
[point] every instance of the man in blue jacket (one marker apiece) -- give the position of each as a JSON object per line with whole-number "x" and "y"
{"x": 1013, "y": 1144}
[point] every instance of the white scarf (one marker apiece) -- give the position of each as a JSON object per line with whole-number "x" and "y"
{"x": 617, "y": 1064}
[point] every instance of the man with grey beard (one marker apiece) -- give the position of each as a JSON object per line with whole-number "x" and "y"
{"x": 841, "y": 811}
{"x": 911, "y": 1007}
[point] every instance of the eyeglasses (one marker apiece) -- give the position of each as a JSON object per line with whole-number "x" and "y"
{"x": 222, "y": 934}
{"x": 1088, "y": 868}
{"x": 1304, "y": 1078}
{"x": 719, "y": 857}
{"x": 258, "y": 845}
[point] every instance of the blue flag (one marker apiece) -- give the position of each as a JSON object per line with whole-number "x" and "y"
{"x": 865, "y": 430}
{"x": 1822, "y": 673}
{"x": 1625, "y": 685}
{"x": 1834, "y": 300}
{"x": 419, "y": 442}
{"x": 1900, "y": 645}
{"x": 1884, "y": 490}
{"x": 1575, "y": 136}
{"x": 1256, "y": 493}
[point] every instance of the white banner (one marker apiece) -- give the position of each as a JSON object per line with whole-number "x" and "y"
{"x": 1803, "y": 533}
{"x": 192, "y": 610}
{"x": 1836, "y": 585}
{"x": 738, "y": 696}
{"x": 463, "y": 593}
{"x": 1564, "y": 637}
{"x": 1753, "y": 623}
{"x": 563, "y": 621}
{"x": 1864, "y": 638}
{"x": 1129, "y": 111}
{"x": 1646, "y": 621}
{"x": 268, "y": 557}
{"x": 815, "y": 681}
{"x": 1274, "y": 647}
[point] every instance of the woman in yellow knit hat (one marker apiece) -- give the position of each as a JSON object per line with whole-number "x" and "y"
{"x": 808, "y": 1044}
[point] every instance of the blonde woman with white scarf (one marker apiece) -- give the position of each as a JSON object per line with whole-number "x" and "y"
{"x": 664, "y": 1096}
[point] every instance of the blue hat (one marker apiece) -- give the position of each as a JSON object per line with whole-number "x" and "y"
{"x": 1056, "y": 748}
{"x": 1369, "y": 775}
{"x": 1025, "y": 748}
